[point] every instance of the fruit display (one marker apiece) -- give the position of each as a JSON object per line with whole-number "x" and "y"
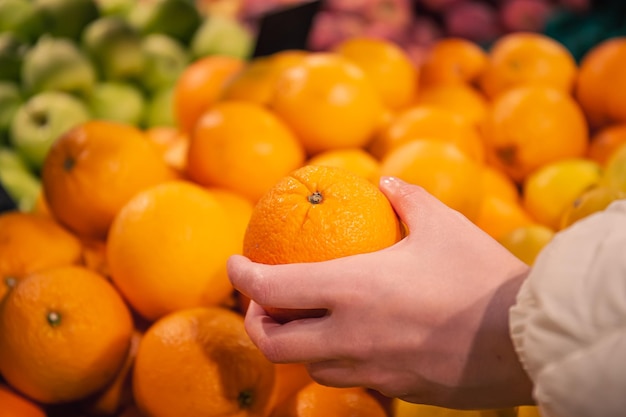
{"x": 142, "y": 154}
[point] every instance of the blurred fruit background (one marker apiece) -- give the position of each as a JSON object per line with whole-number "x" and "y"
{"x": 136, "y": 138}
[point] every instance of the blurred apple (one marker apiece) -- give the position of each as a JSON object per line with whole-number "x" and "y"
{"x": 18, "y": 181}
{"x": 525, "y": 15}
{"x": 12, "y": 51}
{"x": 114, "y": 7}
{"x": 160, "y": 108}
{"x": 222, "y": 35}
{"x": 21, "y": 18}
{"x": 57, "y": 64}
{"x": 548, "y": 191}
{"x": 114, "y": 46}
{"x": 164, "y": 60}
{"x": 67, "y": 18}
{"x": 526, "y": 242}
{"x": 10, "y": 100}
{"x": 117, "y": 101}
{"x": 590, "y": 201}
{"x": 41, "y": 120}
{"x": 177, "y": 18}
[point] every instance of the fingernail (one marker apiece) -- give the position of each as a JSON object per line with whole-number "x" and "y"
{"x": 390, "y": 182}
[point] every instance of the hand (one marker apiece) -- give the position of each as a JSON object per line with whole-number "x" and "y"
{"x": 425, "y": 320}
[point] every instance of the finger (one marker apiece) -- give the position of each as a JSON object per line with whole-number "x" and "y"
{"x": 312, "y": 285}
{"x": 337, "y": 373}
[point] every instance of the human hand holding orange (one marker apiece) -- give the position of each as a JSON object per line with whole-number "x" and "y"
{"x": 425, "y": 320}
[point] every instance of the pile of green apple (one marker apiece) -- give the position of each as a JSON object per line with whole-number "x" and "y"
{"x": 63, "y": 62}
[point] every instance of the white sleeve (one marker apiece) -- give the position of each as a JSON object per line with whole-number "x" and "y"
{"x": 569, "y": 321}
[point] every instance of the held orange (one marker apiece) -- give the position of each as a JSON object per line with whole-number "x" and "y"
{"x": 319, "y": 213}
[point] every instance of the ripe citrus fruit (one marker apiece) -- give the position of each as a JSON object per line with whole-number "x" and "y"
{"x": 200, "y": 362}
{"x": 614, "y": 174}
{"x": 200, "y": 85}
{"x": 462, "y": 99}
{"x": 318, "y": 213}
{"x": 243, "y": 147}
{"x": 316, "y": 400}
{"x": 289, "y": 378}
{"x": 94, "y": 169}
{"x": 498, "y": 216}
{"x": 442, "y": 169}
{"x": 590, "y": 201}
{"x": 65, "y": 334}
{"x": 429, "y": 122}
{"x": 530, "y": 126}
{"x": 328, "y": 102}
{"x": 402, "y": 408}
{"x": 31, "y": 243}
{"x": 605, "y": 141}
{"x": 167, "y": 249}
{"x": 496, "y": 182}
{"x": 356, "y": 160}
{"x": 526, "y": 242}
{"x": 388, "y": 66}
{"x": 522, "y": 58}
{"x": 172, "y": 145}
{"x": 238, "y": 208}
{"x": 15, "y": 404}
{"x": 453, "y": 60}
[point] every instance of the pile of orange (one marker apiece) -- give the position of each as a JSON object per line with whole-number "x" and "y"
{"x": 115, "y": 298}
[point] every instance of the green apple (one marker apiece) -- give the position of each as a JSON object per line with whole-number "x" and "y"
{"x": 21, "y": 18}
{"x": 117, "y": 101}
{"x": 18, "y": 181}
{"x": 114, "y": 7}
{"x": 165, "y": 59}
{"x": 10, "y": 100}
{"x": 222, "y": 35}
{"x": 41, "y": 120}
{"x": 115, "y": 48}
{"x": 160, "y": 108}
{"x": 67, "y": 18}
{"x": 57, "y": 64}
{"x": 12, "y": 52}
{"x": 177, "y": 18}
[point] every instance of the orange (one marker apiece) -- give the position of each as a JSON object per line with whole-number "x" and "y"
{"x": 328, "y": 101}
{"x": 496, "y": 182}
{"x": 462, "y": 99}
{"x": 15, "y": 404}
{"x": 592, "y": 200}
{"x": 526, "y": 242}
{"x": 600, "y": 82}
{"x": 388, "y": 66}
{"x": 172, "y": 145}
{"x": 453, "y": 60}
{"x": 257, "y": 81}
{"x": 356, "y": 160}
{"x": 94, "y": 256}
{"x": 243, "y": 147}
{"x": 402, "y": 408}
{"x": 605, "y": 141}
{"x": 530, "y": 126}
{"x": 94, "y": 169}
{"x": 65, "y": 334}
{"x": 316, "y": 400}
{"x": 167, "y": 249}
{"x": 201, "y": 362}
{"x": 118, "y": 394}
{"x": 521, "y": 58}
{"x": 288, "y": 379}
{"x": 429, "y": 122}
{"x": 200, "y": 85}
{"x": 318, "y": 213}
{"x": 498, "y": 216}
{"x": 31, "y": 243}
{"x": 442, "y": 169}
{"x": 238, "y": 208}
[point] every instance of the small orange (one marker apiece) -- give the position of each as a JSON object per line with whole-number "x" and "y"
{"x": 496, "y": 182}
{"x": 172, "y": 144}
{"x": 243, "y": 147}
{"x": 520, "y": 58}
{"x": 462, "y": 99}
{"x": 31, "y": 243}
{"x": 316, "y": 400}
{"x": 530, "y": 126}
{"x": 328, "y": 101}
{"x": 441, "y": 168}
{"x": 167, "y": 249}
{"x": 289, "y": 378}
{"x": 499, "y": 216}
{"x": 356, "y": 160}
{"x": 453, "y": 60}
{"x": 429, "y": 122}
{"x": 200, "y": 85}
{"x": 598, "y": 85}
{"x": 318, "y": 213}
{"x": 15, "y": 404}
{"x": 238, "y": 208}
{"x": 257, "y": 81}
{"x": 201, "y": 362}
{"x": 605, "y": 141}
{"x": 94, "y": 169}
{"x": 388, "y": 66}
{"x": 65, "y": 334}
{"x": 94, "y": 256}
